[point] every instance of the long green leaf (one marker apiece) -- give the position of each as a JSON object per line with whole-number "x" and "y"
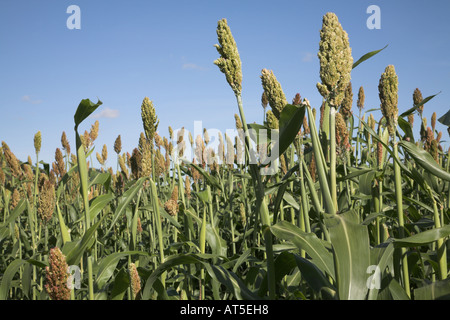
{"x": 351, "y": 248}
{"x": 108, "y": 265}
{"x": 425, "y": 160}
{"x": 308, "y": 242}
{"x": 367, "y": 56}
{"x": 439, "y": 290}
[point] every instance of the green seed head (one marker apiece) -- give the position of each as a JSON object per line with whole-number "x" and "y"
{"x": 149, "y": 119}
{"x": 229, "y": 62}
{"x": 272, "y": 121}
{"x": 37, "y": 141}
{"x": 274, "y": 92}
{"x": 336, "y": 61}
{"x": 388, "y": 92}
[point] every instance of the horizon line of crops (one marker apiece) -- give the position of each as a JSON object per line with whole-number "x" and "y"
{"x": 345, "y": 201}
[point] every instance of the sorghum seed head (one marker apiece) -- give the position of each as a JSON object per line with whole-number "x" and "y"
{"x": 171, "y": 206}
{"x": 57, "y": 276}
{"x": 417, "y": 98}
{"x": 65, "y": 143}
{"x": 297, "y": 100}
{"x": 93, "y": 134}
{"x": 411, "y": 119}
{"x": 336, "y": 61}
{"x": 229, "y": 62}
{"x": 242, "y": 214}
{"x": 187, "y": 186}
{"x": 272, "y": 121}
{"x": 388, "y": 92}
{"x": 361, "y": 98}
{"x": 274, "y": 92}
{"x": 37, "y": 141}
{"x": 433, "y": 121}
{"x": 118, "y": 145}
{"x": 238, "y": 121}
{"x": 347, "y": 102}
{"x": 264, "y": 101}
{"x": 12, "y": 162}
{"x": 60, "y": 166}
{"x": 14, "y": 199}
{"x": 46, "y": 201}
{"x": 149, "y": 119}
{"x": 104, "y": 153}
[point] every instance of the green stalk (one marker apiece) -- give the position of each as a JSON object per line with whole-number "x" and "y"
{"x": 399, "y": 199}
{"x": 261, "y": 203}
{"x": 440, "y": 244}
{"x": 157, "y": 217}
{"x": 333, "y": 187}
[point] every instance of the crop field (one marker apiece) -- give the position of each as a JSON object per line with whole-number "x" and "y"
{"x": 316, "y": 203}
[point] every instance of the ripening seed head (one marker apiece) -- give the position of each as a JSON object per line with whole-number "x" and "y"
{"x": 37, "y": 141}
{"x": 433, "y": 121}
{"x": 135, "y": 280}
{"x": 206, "y": 136}
{"x": 411, "y": 119}
{"x": 274, "y": 92}
{"x": 99, "y": 159}
{"x": 104, "y": 153}
{"x": 136, "y": 163}
{"x": 46, "y": 201}
{"x": 2, "y": 177}
{"x": 434, "y": 151}
{"x": 170, "y": 133}
{"x": 361, "y": 98}
{"x": 118, "y": 145}
{"x": 346, "y": 105}
{"x": 60, "y": 166}
{"x": 171, "y": 206}
{"x": 57, "y": 276}
{"x": 336, "y": 61}
{"x": 14, "y": 199}
{"x": 65, "y": 143}
{"x": 93, "y": 134}
{"x": 297, "y": 100}
{"x": 417, "y": 98}
{"x": 229, "y": 62}
{"x": 12, "y": 161}
{"x": 149, "y": 119}
{"x": 388, "y": 92}
{"x": 264, "y": 101}
{"x": 342, "y": 136}
{"x": 238, "y": 121}
{"x": 187, "y": 186}
{"x": 242, "y": 214}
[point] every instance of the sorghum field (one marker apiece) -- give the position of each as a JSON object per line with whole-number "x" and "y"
{"x": 357, "y": 208}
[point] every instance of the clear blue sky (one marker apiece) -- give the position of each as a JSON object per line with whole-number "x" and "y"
{"x": 127, "y": 50}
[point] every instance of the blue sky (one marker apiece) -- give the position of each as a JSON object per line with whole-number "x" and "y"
{"x": 127, "y": 50}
